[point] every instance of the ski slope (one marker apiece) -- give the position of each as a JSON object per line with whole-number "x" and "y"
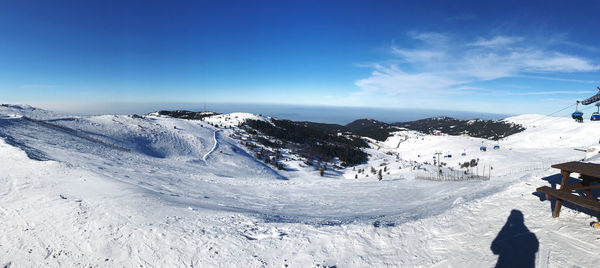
{"x": 155, "y": 191}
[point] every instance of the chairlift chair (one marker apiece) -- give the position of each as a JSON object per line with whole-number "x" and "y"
{"x": 577, "y": 115}
{"x": 596, "y": 115}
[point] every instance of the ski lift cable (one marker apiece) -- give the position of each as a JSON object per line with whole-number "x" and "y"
{"x": 587, "y": 108}
{"x": 568, "y": 114}
{"x": 562, "y": 109}
{"x": 590, "y": 100}
{"x": 553, "y": 113}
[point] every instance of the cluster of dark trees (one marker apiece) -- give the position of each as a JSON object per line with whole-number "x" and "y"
{"x": 183, "y": 114}
{"x": 373, "y": 171}
{"x": 324, "y": 142}
{"x": 371, "y": 128}
{"x": 310, "y": 142}
{"x": 362, "y": 127}
{"x": 487, "y": 129}
{"x": 269, "y": 157}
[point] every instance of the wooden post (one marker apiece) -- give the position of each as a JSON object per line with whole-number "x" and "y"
{"x": 588, "y": 192}
{"x": 563, "y": 187}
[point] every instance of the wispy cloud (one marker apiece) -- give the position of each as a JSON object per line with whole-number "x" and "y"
{"x": 559, "y": 79}
{"x": 392, "y": 80}
{"x": 37, "y": 86}
{"x": 482, "y": 90}
{"x": 423, "y": 55}
{"x": 431, "y": 38}
{"x": 552, "y": 92}
{"x": 497, "y": 41}
{"x": 440, "y": 65}
{"x": 562, "y": 39}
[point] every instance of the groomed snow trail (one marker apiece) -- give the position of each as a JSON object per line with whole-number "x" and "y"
{"x": 214, "y": 147}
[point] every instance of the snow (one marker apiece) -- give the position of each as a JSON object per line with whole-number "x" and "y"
{"x": 156, "y": 191}
{"x": 233, "y": 119}
{"x": 215, "y": 145}
{"x": 552, "y": 132}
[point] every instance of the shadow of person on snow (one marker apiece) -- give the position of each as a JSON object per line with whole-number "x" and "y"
{"x": 515, "y": 245}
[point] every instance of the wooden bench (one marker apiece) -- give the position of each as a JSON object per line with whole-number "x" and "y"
{"x": 566, "y": 196}
{"x": 589, "y": 173}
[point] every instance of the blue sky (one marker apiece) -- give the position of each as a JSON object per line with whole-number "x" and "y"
{"x": 499, "y": 57}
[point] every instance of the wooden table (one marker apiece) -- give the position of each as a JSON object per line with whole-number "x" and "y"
{"x": 589, "y": 173}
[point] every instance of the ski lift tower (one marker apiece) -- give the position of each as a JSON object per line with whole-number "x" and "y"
{"x": 439, "y": 164}
{"x": 578, "y": 115}
{"x": 438, "y": 158}
{"x": 592, "y": 99}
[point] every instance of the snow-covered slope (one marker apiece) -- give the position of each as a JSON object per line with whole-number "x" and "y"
{"x": 553, "y": 132}
{"x": 233, "y": 119}
{"x": 158, "y": 191}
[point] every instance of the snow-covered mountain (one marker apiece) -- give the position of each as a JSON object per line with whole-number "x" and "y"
{"x": 154, "y": 190}
{"x": 489, "y": 129}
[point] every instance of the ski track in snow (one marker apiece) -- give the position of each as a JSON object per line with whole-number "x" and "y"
{"x": 214, "y": 147}
{"x": 160, "y": 205}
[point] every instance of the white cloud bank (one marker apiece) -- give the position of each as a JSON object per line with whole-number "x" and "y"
{"x": 443, "y": 66}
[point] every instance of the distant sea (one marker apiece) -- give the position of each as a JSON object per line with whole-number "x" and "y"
{"x": 322, "y": 114}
